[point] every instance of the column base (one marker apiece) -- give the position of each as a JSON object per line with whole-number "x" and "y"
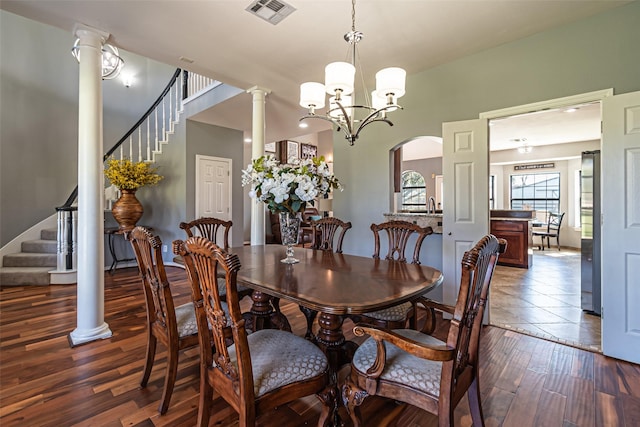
{"x": 78, "y": 337}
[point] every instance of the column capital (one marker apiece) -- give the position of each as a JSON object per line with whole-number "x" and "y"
{"x": 258, "y": 89}
{"x": 86, "y": 33}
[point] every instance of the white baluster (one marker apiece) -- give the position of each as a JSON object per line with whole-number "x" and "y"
{"x": 155, "y": 112}
{"x": 60, "y": 264}
{"x": 148, "y": 141}
{"x": 164, "y": 129}
{"x": 131, "y": 146}
{"x": 139, "y": 145}
{"x": 74, "y": 241}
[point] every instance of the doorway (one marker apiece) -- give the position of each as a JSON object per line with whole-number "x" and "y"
{"x": 213, "y": 188}
{"x": 544, "y": 145}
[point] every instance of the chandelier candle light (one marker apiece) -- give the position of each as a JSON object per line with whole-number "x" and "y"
{"x": 111, "y": 61}
{"x": 339, "y": 84}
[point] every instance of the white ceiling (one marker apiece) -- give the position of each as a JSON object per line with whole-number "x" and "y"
{"x": 547, "y": 127}
{"x": 229, "y": 44}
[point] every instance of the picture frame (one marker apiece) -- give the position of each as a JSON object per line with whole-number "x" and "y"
{"x": 287, "y": 149}
{"x": 270, "y": 147}
{"x": 308, "y": 151}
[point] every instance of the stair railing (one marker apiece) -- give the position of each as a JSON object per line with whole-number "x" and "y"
{"x": 141, "y": 143}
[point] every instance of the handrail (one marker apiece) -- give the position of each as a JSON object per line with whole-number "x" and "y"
{"x": 145, "y": 116}
{"x": 74, "y": 193}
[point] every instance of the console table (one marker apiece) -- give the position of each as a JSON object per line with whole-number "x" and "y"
{"x": 111, "y": 232}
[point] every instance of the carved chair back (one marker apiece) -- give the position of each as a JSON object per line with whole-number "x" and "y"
{"x": 323, "y": 232}
{"x": 418, "y": 368}
{"x": 273, "y": 354}
{"x": 398, "y": 234}
{"x": 478, "y": 265}
{"x": 209, "y": 227}
{"x": 173, "y": 326}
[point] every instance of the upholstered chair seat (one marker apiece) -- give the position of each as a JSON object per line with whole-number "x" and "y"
{"x": 253, "y": 373}
{"x": 402, "y": 367}
{"x": 414, "y": 367}
{"x": 279, "y": 358}
{"x": 398, "y": 313}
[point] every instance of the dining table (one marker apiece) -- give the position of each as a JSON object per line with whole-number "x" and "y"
{"x": 333, "y": 284}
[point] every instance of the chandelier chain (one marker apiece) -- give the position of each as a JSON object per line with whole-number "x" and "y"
{"x": 353, "y": 15}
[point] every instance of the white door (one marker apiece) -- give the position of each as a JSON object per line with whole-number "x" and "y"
{"x": 465, "y": 220}
{"x": 621, "y": 226}
{"x": 213, "y": 187}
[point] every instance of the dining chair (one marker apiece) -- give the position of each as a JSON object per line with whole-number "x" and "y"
{"x": 257, "y": 372}
{"x": 323, "y": 232}
{"x": 552, "y": 231}
{"x": 398, "y": 234}
{"x": 175, "y": 327}
{"x": 211, "y": 228}
{"x": 413, "y": 367}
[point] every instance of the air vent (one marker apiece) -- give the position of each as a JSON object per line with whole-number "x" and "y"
{"x": 272, "y": 11}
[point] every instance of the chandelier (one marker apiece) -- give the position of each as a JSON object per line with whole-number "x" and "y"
{"x": 524, "y": 147}
{"x": 111, "y": 61}
{"x": 339, "y": 84}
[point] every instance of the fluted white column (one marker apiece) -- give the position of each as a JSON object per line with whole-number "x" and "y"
{"x": 257, "y": 150}
{"x": 90, "y": 290}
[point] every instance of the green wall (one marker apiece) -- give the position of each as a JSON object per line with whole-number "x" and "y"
{"x": 596, "y": 53}
{"x": 39, "y": 117}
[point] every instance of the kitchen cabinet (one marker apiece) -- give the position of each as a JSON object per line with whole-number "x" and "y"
{"x": 516, "y": 232}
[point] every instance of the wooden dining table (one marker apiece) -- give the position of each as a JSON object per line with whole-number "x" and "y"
{"x": 333, "y": 284}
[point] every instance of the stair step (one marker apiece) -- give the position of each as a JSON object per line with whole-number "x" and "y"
{"x": 24, "y": 276}
{"x": 30, "y": 260}
{"x": 40, "y": 246}
{"x": 49, "y": 234}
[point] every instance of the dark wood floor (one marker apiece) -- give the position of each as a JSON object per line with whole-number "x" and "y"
{"x": 525, "y": 381}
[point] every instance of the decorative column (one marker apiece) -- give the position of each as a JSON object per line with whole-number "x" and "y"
{"x": 90, "y": 289}
{"x": 257, "y": 150}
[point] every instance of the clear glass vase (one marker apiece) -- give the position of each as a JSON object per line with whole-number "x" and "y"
{"x": 289, "y": 229}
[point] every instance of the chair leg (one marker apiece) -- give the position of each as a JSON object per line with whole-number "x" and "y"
{"x": 206, "y": 396}
{"x": 151, "y": 355}
{"x": 353, "y": 396}
{"x": 169, "y": 380}
{"x": 475, "y": 404}
{"x": 329, "y": 406}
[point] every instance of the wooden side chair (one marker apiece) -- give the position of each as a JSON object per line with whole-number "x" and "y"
{"x": 211, "y": 228}
{"x": 258, "y": 372}
{"x": 413, "y": 367}
{"x": 175, "y": 327}
{"x": 323, "y": 232}
{"x": 553, "y": 231}
{"x": 398, "y": 235}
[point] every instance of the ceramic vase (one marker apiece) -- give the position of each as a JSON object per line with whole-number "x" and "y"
{"x": 127, "y": 210}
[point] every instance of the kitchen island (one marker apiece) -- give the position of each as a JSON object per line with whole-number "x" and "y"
{"x": 515, "y": 227}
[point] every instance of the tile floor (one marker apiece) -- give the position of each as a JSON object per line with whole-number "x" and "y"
{"x": 544, "y": 300}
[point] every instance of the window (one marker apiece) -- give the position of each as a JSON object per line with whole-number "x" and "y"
{"x": 540, "y": 192}
{"x": 414, "y": 192}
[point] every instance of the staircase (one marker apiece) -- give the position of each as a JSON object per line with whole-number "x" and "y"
{"x": 32, "y": 265}
{"x": 39, "y": 262}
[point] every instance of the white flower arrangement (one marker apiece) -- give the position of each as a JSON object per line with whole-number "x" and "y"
{"x": 289, "y": 187}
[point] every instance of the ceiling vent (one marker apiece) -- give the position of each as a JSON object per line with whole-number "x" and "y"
{"x": 272, "y": 11}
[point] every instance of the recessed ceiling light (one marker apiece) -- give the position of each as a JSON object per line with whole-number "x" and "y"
{"x": 571, "y": 110}
{"x": 303, "y": 125}
{"x": 187, "y": 60}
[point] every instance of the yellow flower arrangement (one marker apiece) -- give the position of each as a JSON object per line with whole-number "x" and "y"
{"x": 128, "y": 175}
